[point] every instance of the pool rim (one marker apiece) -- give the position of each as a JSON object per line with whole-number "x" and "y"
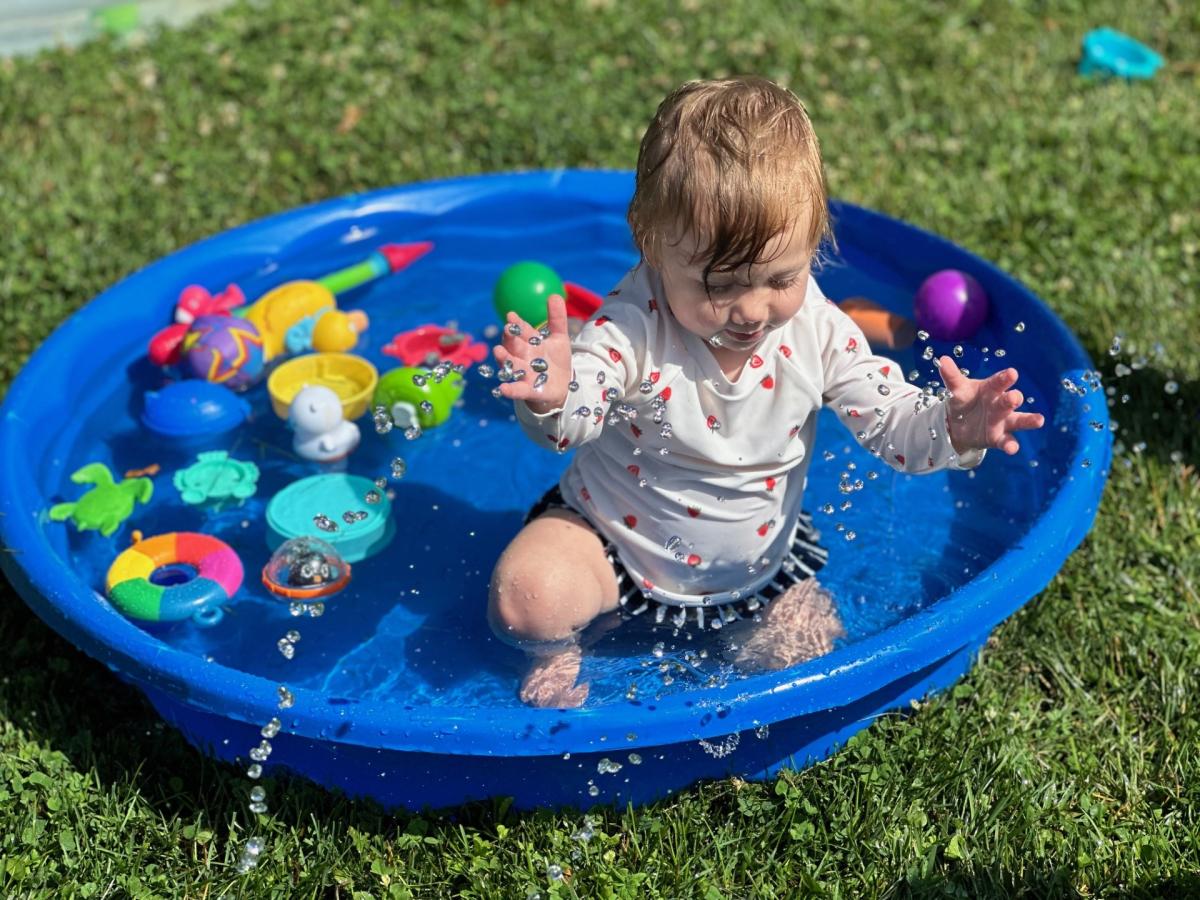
{"x": 958, "y": 619}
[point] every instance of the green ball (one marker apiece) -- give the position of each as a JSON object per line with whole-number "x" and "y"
{"x": 525, "y": 288}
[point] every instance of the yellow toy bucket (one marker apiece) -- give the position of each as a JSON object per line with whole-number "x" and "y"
{"x": 352, "y": 378}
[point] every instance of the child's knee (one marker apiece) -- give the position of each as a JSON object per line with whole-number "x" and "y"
{"x": 527, "y": 606}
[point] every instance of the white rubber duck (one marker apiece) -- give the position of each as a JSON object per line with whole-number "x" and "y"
{"x": 321, "y": 434}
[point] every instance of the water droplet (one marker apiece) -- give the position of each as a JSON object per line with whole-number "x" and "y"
{"x": 1115, "y": 349}
{"x": 383, "y": 422}
{"x": 258, "y": 794}
{"x": 271, "y": 728}
{"x": 657, "y": 650}
{"x": 286, "y": 648}
{"x": 762, "y": 731}
{"x": 486, "y": 371}
{"x": 286, "y": 698}
{"x": 1171, "y": 387}
{"x": 635, "y": 759}
{"x": 1019, "y": 327}
{"x": 927, "y": 354}
{"x": 539, "y": 364}
{"x": 1000, "y": 353}
{"x": 535, "y": 340}
{"x": 316, "y": 610}
{"x": 513, "y": 328}
{"x": 412, "y": 432}
{"x": 958, "y": 351}
{"x": 261, "y": 752}
{"x": 254, "y": 771}
{"x": 593, "y": 791}
{"x": 884, "y": 390}
{"x": 373, "y": 497}
{"x": 611, "y": 394}
{"x": 258, "y": 808}
{"x": 325, "y": 523}
{"x": 572, "y": 386}
{"x": 420, "y": 380}
{"x": 646, "y": 387}
{"x": 607, "y": 766}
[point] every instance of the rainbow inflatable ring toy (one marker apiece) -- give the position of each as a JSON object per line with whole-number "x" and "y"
{"x": 175, "y": 576}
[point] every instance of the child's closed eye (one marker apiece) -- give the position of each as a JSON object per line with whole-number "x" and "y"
{"x": 784, "y": 284}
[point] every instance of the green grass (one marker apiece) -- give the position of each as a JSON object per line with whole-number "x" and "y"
{"x": 1067, "y": 763}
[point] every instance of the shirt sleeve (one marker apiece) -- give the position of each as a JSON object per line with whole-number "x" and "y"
{"x": 891, "y": 418}
{"x": 607, "y": 357}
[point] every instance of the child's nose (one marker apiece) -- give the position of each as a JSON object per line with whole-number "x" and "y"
{"x": 752, "y": 308}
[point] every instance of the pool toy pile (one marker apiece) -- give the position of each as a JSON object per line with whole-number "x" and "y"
{"x": 308, "y": 400}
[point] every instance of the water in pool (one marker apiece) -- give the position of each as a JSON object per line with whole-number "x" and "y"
{"x": 410, "y": 627}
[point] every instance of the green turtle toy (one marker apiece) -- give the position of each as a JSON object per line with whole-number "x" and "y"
{"x": 107, "y": 505}
{"x": 215, "y": 478}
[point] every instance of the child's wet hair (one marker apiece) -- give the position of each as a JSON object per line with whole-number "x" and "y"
{"x": 735, "y": 163}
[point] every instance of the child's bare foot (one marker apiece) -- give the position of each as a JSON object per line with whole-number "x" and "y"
{"x": 550, "y": 680}
{"x": 800, "y": 624}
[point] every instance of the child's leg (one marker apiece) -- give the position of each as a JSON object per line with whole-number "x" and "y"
{"x": 799, "y": 624}
{"x": 549, "y": 583}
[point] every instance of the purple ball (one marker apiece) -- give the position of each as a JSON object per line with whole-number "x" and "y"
{"x": 224, "y": 350}
{"x": 950, "y": 305}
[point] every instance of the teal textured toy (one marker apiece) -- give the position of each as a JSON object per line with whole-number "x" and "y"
{"x": 414, "y": 396}
{"x": 346, "y": 511}
{"x": 215, "y": 478}
{"x": 1110, "y": 52}
{"x": 107, "y": 505}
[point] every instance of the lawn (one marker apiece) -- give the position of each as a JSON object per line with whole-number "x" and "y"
{"x": 1066, "y": 764}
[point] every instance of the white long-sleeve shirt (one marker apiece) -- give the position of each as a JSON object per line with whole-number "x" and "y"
{"x": 700, "y": 505}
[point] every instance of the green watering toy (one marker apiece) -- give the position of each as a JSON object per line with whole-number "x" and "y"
{"x": 413, "y": 396}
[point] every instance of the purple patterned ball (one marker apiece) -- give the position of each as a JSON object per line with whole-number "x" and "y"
{"x": 224, "y": 350}
{"x": 950, "y": 305}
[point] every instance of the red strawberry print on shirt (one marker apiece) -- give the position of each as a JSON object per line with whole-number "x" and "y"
{"x": 884, "y": 371}
{"x": 602, "y": 320}
{"x": 585, "y": 494}
{"x": 562, "y": 445}
{"x": 930, "y": 462}
{"x": 756, "y": 361}
{"x": 653, "y": 304}
{"x": 795, "y": 430}
{"x": 614, "y": 355}
{"x": 637, "y": 432}
{"x": 631, "y": 521}
{"x": 694, "y": 560}
{"x": 770, "y": 484}
{"x": 665, "y": 393}
{"x": 854, "y": 413}
{"x": 635, "y": 471}
{"x": 763, "y": 529}
{"x": 785, "y": 350}
{"x": 694, "y": 511}
{"x": 900, "y": 458}
{"x": 712, "y": 423}
{"x": 851, "y": 345}
{"x": 654, "y": 376}
{"x": 768, "y": 382}
{"x": 648, "y": 584}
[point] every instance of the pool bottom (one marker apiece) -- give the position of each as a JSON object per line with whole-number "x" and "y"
{"x": 416, "y": 781}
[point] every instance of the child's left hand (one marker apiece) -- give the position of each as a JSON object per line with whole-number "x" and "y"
{"x": 982, "y": 411}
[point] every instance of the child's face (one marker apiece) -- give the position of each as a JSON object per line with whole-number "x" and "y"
{"x": 740, "y": 307}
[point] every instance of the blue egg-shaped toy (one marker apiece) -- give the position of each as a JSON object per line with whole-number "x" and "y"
{"x": 193, "y": 408}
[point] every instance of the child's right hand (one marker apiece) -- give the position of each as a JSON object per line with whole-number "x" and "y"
{"x": 555, "y": 349}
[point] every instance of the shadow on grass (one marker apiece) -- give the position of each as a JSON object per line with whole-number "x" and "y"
{"x": 1165, "y": 422}
{"x": 70, "y": 704}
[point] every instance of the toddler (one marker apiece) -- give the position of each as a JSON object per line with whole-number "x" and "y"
{"x": 692, "y": 396}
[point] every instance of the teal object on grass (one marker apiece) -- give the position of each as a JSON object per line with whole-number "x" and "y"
{"x": 293, "y": 511}
{"x": 1109, "y": 52}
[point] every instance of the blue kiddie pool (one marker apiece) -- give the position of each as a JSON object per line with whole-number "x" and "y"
{"x": 401, "y": 692}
